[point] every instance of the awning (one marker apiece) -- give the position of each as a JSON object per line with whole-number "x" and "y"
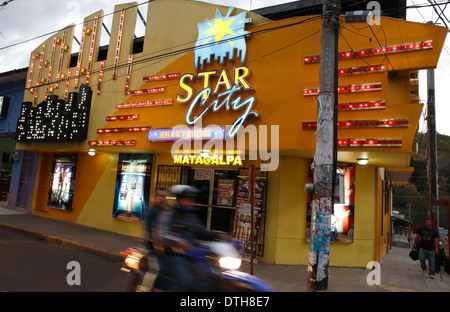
{"x": 400, "y": 175}
{"x": 401, "y": 219}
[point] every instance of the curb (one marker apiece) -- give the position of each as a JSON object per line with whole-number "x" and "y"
{"x": 109, "y": 255}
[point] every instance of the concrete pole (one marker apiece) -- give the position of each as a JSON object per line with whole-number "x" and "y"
{"x": 324, "y": 158}
{"x": 433, "y": 195}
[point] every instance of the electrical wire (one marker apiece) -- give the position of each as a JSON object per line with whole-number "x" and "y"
{"x": 442, "y": 14}
{"x": 67, "y": 27}
{"x": 163, "y": 56}
{"x": 185, "y": 50}
{"x": 139, "y": 4}
{"x": 105, "y": 15}
{"x": 365, "y": 61}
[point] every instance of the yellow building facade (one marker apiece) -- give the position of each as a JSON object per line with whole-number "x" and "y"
{"x": 140, "y": 104}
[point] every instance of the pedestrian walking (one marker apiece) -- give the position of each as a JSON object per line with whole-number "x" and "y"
{"x": 427, "y": 241}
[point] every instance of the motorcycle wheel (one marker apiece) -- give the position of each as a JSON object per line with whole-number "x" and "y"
{"x": 133, "y": 280}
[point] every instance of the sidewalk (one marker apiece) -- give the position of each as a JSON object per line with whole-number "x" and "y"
{"x": 398, "y": 272}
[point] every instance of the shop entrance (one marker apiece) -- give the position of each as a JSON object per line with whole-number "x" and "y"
{"x": 217, "y": 199}
{"x": 223, "y": 202}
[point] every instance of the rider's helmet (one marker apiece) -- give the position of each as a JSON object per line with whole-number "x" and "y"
{"x": 182, "y": 191}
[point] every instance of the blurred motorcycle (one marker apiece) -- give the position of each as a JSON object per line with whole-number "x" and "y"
{"x": 216, "y": 268}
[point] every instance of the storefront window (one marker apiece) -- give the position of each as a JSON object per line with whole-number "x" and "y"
{"x": 168, "y": 176}
{"x": 342, "y": 219}
{"x": 223, "y": 202}
{"x": 62, "y": 181}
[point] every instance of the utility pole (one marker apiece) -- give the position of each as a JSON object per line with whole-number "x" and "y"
{"x": 325, "y": 155}
{"x": 433, "y": 193}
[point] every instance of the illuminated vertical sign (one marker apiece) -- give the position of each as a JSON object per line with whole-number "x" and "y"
{"x": 66, "y": 91}
{"x": 91, "y": 50}
{"x": 41, "y": 61}
{"x": 31, "y": 69}
{"x": 119, "y": 40}
{"x": 77, "y": 73}
{"x": 61, "y": 53}
{"x": 50, "y": 66}
{"x": 100, "y": 76}
{"x": 130, "y": 62}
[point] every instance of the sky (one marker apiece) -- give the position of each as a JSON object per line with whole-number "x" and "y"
{"x": 22, "y": 20}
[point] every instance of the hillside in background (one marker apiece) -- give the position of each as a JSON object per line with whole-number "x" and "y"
{"x": 415, "y": 193}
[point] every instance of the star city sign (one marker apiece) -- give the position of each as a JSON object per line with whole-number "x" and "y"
{"x": 219, "y": 37}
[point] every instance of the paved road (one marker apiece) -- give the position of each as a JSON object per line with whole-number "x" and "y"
{"x": 29, "y": 265}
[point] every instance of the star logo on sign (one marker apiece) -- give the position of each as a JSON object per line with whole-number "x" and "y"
{"x": 219, "y": 30}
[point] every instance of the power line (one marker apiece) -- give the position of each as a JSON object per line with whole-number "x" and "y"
{"x": 439, "y": 14}
{"x": 139, "y": 4}
{"x": 160, "y": 57}
{"x": 3, "y": 5}
{"x": 365, "y": 61}
{"x": 53, "y": 32}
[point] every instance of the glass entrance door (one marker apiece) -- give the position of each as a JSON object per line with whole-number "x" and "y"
{"x": 201, "y": 179}
{"x": 217, "y": 199}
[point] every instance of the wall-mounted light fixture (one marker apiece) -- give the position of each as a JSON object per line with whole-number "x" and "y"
{"x": 362, "y": 161}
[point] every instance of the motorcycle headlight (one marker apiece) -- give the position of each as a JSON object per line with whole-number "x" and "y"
{"x": 230, "y": 263}
{"x": 132, "y": 262}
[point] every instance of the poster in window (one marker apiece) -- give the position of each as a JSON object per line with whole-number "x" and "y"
{"x": 62, "y": 182}
{"x": 132, "y": 186}
{"x": 242, "y": 221}
{"x": 225, "y": 192}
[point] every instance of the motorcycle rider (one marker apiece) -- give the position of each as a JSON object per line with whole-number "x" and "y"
{"x": 151, "y": 217}
{"x": 179, "y": 231}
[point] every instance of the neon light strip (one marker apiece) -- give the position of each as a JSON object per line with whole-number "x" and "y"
{"x": 162, "y": 77}
{"x": 369, "y": 142}
{"x": 100, "y": 76}
{"x": 31, "y": 69}
{"x": 348, "y": 88}
{"x": 428, "y": 44}
{"x": 119, "y": 39}
{"x": 66, "y": 92}
{"x": 122, "y": 117}
{"x": 146, "y": 91}
{"x": 361, "y": 70}
{"x": 362, "y": 105}
{"x": 50, "y": 66}
{"x": 196, "y": 133}
{"x": 41, "y": 61}
{"x": 111, "y": 142}
{"x": 144, "y": 104}
{"x": 91, "y": 50}
{"x": 130, "y": 62}
{"x": 61, "y": 53}
{"x": 382, "y": 123}
{"x": 121, "y": 130}
{"x": 77, "y": 73}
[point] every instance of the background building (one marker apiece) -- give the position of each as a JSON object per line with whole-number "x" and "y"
{"x": 15, "y": 183}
